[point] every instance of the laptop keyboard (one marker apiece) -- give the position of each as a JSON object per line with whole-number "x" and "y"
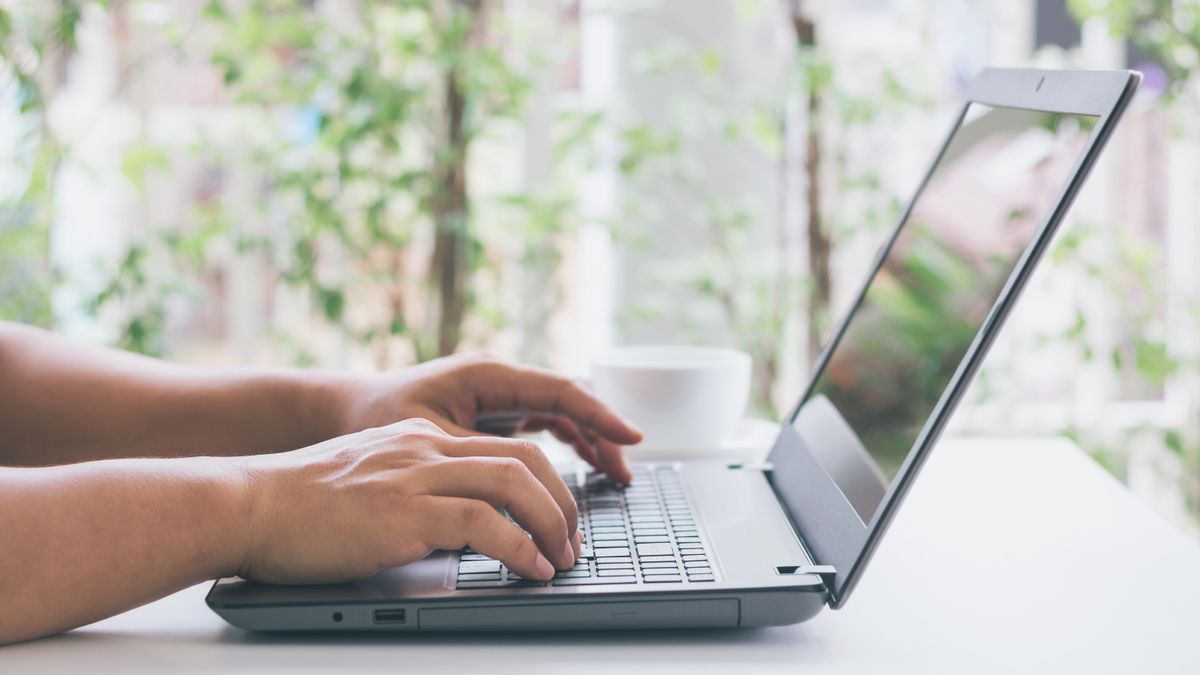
{"x": 640, "y": 534}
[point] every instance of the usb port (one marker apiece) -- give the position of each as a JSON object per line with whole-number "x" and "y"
{"x": 390, "y": 616}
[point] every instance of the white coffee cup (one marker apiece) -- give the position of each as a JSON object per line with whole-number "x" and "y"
{"x": 680, "y": 397}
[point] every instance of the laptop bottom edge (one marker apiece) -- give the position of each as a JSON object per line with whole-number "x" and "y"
{"x": 711, "y": 609}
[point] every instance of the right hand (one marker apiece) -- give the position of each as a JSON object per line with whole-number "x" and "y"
{"x": 353, "y": 505}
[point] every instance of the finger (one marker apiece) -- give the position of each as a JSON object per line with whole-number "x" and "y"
{"x": 502, "y": 386}
{"x": 506, "y": 483}
{"x": 534, "y": 459}
{"x": 458, "y": 522}
{"x": 568, "y": 432}
{"x": 611, "y": 460}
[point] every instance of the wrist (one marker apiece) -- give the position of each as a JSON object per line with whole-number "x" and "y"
{"x": 322, "y": 405}
{"x": 229, "y": 489}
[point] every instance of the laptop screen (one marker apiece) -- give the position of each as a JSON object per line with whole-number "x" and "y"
{"x": 1000, "y": 175}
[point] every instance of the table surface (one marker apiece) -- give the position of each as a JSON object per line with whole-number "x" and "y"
{"x": 1009, "y": 556}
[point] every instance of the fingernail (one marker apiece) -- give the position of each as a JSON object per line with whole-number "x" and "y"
{"x": 544, "y": 569}
{"x": 568, "y": 554}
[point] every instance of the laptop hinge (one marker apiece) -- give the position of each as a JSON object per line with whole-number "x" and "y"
{"x": 826, "y": 572}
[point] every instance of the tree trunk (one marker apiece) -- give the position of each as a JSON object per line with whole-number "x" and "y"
{"x": 450, "y": 205}
{"x": 818, "y": 239}
{"x": 450, "y": 210}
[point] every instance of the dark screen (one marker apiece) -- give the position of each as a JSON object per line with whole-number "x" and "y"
{"x": 994, "y": 186}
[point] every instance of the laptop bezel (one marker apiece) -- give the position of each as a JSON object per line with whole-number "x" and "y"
{"x": 824, "y": 518}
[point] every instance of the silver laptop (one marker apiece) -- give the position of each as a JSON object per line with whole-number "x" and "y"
{"x": 710, "y": 543}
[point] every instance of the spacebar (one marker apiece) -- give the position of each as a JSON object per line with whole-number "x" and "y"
{"x": 594, "y": 581}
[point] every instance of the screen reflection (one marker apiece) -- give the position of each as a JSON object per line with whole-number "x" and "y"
{"x": 994, "y": 186}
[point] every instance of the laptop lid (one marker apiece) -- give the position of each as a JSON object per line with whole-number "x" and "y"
{"x": 941, "y": 286}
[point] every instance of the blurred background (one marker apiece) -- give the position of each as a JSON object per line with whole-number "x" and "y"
{"x": 368, "y": 184}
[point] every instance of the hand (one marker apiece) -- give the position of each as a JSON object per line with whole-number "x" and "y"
{"x": 353, "y": 505}
{"x": 468, "y": 395}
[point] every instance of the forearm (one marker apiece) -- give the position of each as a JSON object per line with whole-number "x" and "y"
{"x": 62, "y": 402}
{"x": 79, "y": 543}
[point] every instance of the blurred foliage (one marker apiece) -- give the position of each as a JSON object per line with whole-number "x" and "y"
{"x": 28, "y": 41}
{"x": 1168, "y": 32}
{"x": 360, "y": 133}
{"x": 762, "y": 306}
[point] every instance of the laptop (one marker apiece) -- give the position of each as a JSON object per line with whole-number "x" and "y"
{"x": 717, "y": 543}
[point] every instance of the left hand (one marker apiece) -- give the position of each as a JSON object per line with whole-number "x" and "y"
{"x": 471, "y": 395}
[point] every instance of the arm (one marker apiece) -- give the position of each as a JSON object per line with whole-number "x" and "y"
{"x": 63, "y": 402}
{"x": 87, "y": 541}
{"x": 82, "y": 542}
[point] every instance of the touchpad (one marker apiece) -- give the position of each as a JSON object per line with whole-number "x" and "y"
{"x": 558, "y": 616}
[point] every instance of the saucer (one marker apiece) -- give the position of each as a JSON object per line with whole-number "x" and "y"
{"x": 750, "y": 441}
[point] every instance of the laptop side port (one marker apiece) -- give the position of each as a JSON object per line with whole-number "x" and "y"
{"x": 390, "y": 616}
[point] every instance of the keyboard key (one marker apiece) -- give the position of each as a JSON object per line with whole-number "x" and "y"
{"x": 480, "y": 576}
{"x": 655, "y": 549}
{"x": 471, "y": 567}
{"x": 651, "y": 538}
{"x": 466, "y": 557}
{"x": 623, "y": 543}
{"x": 690, "y": 564}
{"x": 663, "y": 579}
{"x": 660, "y": 565}
{"x": 610, "y": 536}
{"x": 595, "y": 581}
{"x": 573, "y": 574}
{"x": 700, "y": 577}
{"x": 659, "y": 572}
{"x": 657, "y": 558}
{"x": 607, "y": 572}
{"x": 612, "y": 552}
{"x": 649, "y": 530}
{"x": 699, "y": 571}
{"x": 694, "y": 556}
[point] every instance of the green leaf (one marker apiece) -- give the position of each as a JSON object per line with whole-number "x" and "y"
{"x": 1174, "y": 442}
{"x": 332, "y": 302}
{"x": 139, "y": 160}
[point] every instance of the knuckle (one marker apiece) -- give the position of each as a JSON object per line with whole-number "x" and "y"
{"x": 421, "y": 424}
{"x": 511, "y": 468}
{"x": 525, "y": 450}
{"x": 568, "y": 388}
{"x": 519, "y": 547}
{"x": 475, "y": 358}
{"x": 475, "y": 514}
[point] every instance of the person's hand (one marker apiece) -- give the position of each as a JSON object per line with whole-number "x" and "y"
{"x": 353, "y": 505}
{"x": 468, "y": 395}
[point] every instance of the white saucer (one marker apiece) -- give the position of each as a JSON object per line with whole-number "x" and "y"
{"x": 750, "y": 441}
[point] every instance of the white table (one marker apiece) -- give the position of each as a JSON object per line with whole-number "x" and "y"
{"x": 1009, "y": 556}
